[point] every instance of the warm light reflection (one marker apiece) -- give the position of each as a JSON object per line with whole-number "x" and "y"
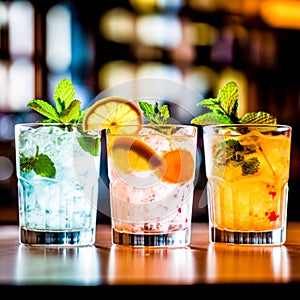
{"x": 203, "y": 5}
{"x": 135, "y": 266}
{"x": 152, "y": 5}
{"x": 239, "y": 7}
{"x": 245, "y": 7}
{"x": 281, "y": 14}
{"x": 159, "y": 70}
{"x": 202, "y": 79}
{"x": 262, "y": 264}
{"x": 203, "y": 34}
{"x": 114, "y": 72}
{"x": 118, "y": 25}
{"x": 143, "y": 5}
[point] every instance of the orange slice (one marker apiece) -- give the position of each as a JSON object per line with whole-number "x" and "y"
{"x": 177, "y": 166}
{"x": 113, "y": 113}
{"x": 133, "y": 155}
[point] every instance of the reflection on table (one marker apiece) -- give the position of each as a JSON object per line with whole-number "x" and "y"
{"x": 201, "y": 264}
{"x": 63, "y": 266}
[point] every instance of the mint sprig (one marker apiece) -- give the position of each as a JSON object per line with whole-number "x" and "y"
{"x": 224, "y": 109}
{"x": 41, "y": 164}
{"x": 232, "y": 152}
{"x": 66, "y": 110}
{"x": 156, "y": 115}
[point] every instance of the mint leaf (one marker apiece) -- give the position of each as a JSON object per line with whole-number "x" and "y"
{"x": 224, "y": 109}
{"x": 211, "y": 118}
{"x": 44, "y": 108}
{"x": 260, "y": 117}
{"x": 44, "y": 166}
{"x": 228, "y": 97}
{"x": 157, "y": 115}
{"x": 71, "y": 114}
{"x": 233, "y": 152}
{"x": 67, "y": 108}
{"x": 154, "y": 114}
{"x": 89, "y": 144}
{"x": 250, "y": 166}
{"x": 40, "y": 163}
{"x": 63, "y": 95}
{"x": 27, "y": 163}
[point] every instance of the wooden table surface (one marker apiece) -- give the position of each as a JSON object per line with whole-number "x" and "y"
{"x": 104, "y": 265}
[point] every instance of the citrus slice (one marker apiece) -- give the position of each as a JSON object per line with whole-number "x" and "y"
{"x": 113, "y": 113}
{"x": 133, "y": 155}
{"x": 177, "y": 166}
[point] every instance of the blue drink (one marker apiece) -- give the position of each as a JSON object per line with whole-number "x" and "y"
{"x": 58, "y": 169}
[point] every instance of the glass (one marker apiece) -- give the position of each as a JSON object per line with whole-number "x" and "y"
{"x": 247, "y": 168}
{"x": 151, "y": 172}
{"x": 57, "y": 209}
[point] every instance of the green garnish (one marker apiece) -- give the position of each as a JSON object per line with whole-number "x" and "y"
{"x": 232, "y": 152}
{"x": 224, "y": 110}
{"x": 67, "y": 108}
{"x": 157, "y": 115}
{"x": 66, "y": 111}
{"x": 40, "y": 163}
{"x": 154, "y": 114}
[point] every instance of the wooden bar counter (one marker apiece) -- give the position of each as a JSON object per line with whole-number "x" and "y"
{"x": 202, "y": 265}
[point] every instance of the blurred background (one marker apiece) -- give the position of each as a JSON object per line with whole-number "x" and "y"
{"x": 100, "y": 44}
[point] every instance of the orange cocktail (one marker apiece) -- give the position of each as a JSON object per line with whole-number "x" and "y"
{"x": 247, "y": 169}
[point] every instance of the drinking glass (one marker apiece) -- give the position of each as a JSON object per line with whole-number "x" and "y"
{"x": 57, "y": 167}
{"x": 247, "y": 167}
{"x": 151, "y": 169}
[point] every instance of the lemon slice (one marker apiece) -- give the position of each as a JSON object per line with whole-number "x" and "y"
{"x": 113, "y": 113}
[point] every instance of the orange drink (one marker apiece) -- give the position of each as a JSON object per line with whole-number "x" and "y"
{"x": 247, "y": 167}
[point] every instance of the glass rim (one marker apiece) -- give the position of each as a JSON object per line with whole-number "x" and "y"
{"x": 159, "y": 124}
{"x": 245, "y": 128}
{"x": 247, "y": 124}
{"x": 266, "y": 125}
{"x": 189, "y": 129}
{"x": 64, "y": 126}
{"x": 48, "y": 124}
